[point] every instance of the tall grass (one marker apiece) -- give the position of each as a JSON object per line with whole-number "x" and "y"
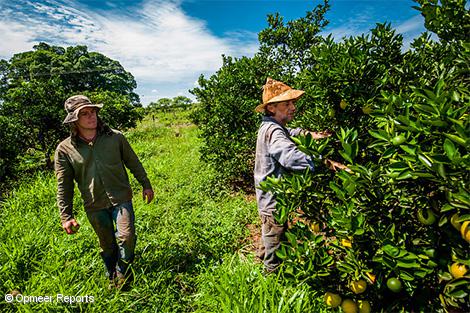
{"x": 239, "y": 285}
{"x": 188, "y": 238}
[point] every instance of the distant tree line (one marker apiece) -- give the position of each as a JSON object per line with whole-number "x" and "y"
{"x": 33, "y": 88}
{"x": 167, "y": 104}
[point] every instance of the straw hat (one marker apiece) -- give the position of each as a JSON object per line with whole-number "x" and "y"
{"x": 276, "y": 91}
{"x": 74, "y": 104}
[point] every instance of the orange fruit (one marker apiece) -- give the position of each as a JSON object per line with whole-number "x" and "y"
{"x": 454, "y": 222}
{"x": 465, "y": 230}
{"x": 349, "y": 306}
{"x": 346, "y": 243}
{"x": 398, "y": 140}
{"x": 332, "y": 300}
{"x": 358, "y": 286}
{"x": 394, "y": 284}
{"x": 364, "y": 306}
{"x": 458, "y": 270}
{"x": 315, "y": 227}
{"x": 426, "y": 216}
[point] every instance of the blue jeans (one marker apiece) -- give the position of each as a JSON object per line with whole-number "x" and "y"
{"x": 116, "y": 233}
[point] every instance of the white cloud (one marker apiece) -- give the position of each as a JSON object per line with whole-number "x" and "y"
{"x": 410, "y": 29}
{"x": 341, "y": 32}
{"x": 355, "y": 25}
{"x": 412, "y": 25}
{"x": 359, "y": 25}
{"x": 15, "y": 37}
{"x": 157, "y": 42}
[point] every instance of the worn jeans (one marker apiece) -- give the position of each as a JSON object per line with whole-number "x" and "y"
{"x": 116, "y": 233}
{"x": 272, "y": 234}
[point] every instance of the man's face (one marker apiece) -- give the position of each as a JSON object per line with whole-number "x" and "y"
{"x": 283, "y": 111}
{"x": 87, "y": 119}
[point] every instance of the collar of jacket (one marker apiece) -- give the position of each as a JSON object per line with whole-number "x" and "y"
{"x": 103, "y": 130}
{"x": 271, "y": 119}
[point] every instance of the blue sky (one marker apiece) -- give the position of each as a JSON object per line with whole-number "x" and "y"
{"x": 167, "y": 44}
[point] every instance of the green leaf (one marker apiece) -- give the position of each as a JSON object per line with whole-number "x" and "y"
{"x": 408, "y": 149}
{"x": 412, "y": 264}
{"x": 296, "y": 140}
{"x": 406, "y": 276}
{"x": 458, "y": 294}
{"x": 389, "y": 152}
{"x": 381, "y": 135}
{"x": 391, "y": 250}
{"x": 456, "y": 139}
{"x": 404, "y": 175}
{"x": 345, "y": 156}
{"x": 398, "y": 166}
{"x": 441, "y": 170}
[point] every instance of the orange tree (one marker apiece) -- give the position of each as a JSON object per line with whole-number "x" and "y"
{"x": 395, "y": 230}
{"x": 397, "y": 225}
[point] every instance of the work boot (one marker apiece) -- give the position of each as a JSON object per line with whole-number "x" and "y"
{"x": 120, "y": 279}
{"x": 111, "y": 277}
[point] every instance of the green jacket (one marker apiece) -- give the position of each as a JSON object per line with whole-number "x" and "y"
{"x": 99, "y": 168}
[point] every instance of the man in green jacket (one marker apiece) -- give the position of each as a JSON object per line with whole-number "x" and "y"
{"x": 95, "y": 157}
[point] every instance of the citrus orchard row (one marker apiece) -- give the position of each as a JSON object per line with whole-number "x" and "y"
{"x": 400, "y": 117}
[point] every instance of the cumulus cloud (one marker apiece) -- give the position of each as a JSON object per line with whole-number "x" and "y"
{"x": 156, "y": 41}
{"x": 15, "y": 37}
{"x": 410, "y": 29}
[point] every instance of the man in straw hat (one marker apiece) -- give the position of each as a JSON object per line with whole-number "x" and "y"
{"x": 276, "y": 153}
{"x": 96, "y": 157}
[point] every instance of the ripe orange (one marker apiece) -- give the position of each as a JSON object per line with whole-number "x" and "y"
{"x": 332, "y": 300}
{"x": 458, "y": 270}
{"x": 465, "y": 230}
{"x": 454, "y": 222}
{"x": 364, "y": 306}
{"x": 346, "y": 243}
{"x": 315, "y": 227}
{"x": 394, "y": 284}
{"x": 426, "y": 216}
{"x": 349, "y": 306}
{"x": 358, "y": 286}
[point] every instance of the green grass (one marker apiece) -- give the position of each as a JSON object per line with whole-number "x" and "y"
{"x": 188, "y": 255}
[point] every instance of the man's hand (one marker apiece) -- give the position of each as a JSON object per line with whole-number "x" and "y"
{"x": 71, "y": 226}
{"x": 147, "y": 193}
{"x": 334, "y": 166}
{"x": 320, "y": 135}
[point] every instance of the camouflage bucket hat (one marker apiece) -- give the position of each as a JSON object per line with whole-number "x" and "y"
{"x": 74, "y": 104}
{"x": 276, "y": 91}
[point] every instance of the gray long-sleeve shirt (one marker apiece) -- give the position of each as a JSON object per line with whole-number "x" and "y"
{"x": 276, "y": 153}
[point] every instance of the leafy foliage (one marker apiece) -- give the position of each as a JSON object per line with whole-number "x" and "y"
{"x": 226, "y": 119}
{"x": 401, "y": 125}
{"x": 163, "y": 104}
{"x": 35, "y": 84}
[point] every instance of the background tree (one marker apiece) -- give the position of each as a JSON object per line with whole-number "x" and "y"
{"x": 35, "y": 84}
{"x": 181, "y": 102}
